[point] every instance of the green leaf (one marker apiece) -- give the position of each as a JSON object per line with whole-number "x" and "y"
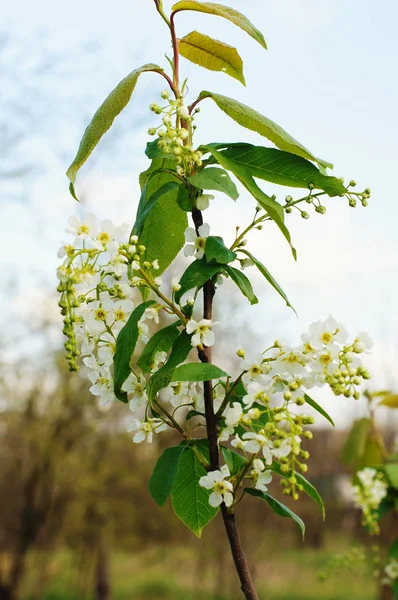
{"x": 162, "y": 378}
{"x": 223, "y": 11}
{"x": 251, "y": 119}
{"x": 282, "y": 168}
{"x": 372, "y": 455}
{"x": 318, "y": 408}
{"x": 270, "y": 205}
{"x": 104, "y": 117}
{"x": 264, "y": 271}
{"x": 215, "y": 249}
{"x": 235, "y": 462}
{"x": 161, "y": 341}
{"x": 393, "y": 549}
{"x": 125, "y": 346}
{"x": 355, "y": 444}
{"x": 164, "y": 474}
{"x": 391, "y": 470}
{"x": 278, "y": 508}
{"x": 242, "y": 282}
{"x": 390, "y": 400}
{"x": 163, "y": 230}
{"x": 213, "y": 178}
{"x": 189, "y": 500}
{"x": 195, "y": 276}
{"x": 212, "y": 54}
{"x": 308, "y": 488}
{"x": 146, "y": 205}
{"x": 197, "y": 372}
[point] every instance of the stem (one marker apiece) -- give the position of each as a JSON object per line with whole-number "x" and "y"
{"x": 241, "y": 564}
{"x": 175, "y": 53}
{"x": 246, "y": 581}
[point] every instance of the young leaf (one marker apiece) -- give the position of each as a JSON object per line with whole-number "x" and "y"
{"x": 355, "y": 444}
{"x": 147, "y": 204}
{"x": 179, "y": 352}
{"x": 222, "y": 11}
{"x": 242, "y": 282}
{"x": 215, "y": 249}
{"x": 318, "y": 408}
{"x": 278, "y": 508}
{"x": 125, "y": 346}
{"x": 195, "y": 276}
{"x": 391, "y": 470}
{"x": 308, "y": 488}
{"x": 104, "y": 117}
{"x": 212, "y": 54}
{"x": 189, "y": 500}
{"x": 163, "y": 230}
{"x": 197, "y": 372}
{"x": 164, "y": 474}
{"x": 390, "y": 400}
{"x": 273, "y": 208}
{"x": 213, "y": 178}
{"x": 161, "y": 341}
{"x": 264, "y": 271}
{"x": 282, "y": 168}
{"x": 235, "y": 462}
{"x": 251, "y": 119}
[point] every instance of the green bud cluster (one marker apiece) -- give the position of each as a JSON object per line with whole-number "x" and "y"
{"x": 175, "y": 133}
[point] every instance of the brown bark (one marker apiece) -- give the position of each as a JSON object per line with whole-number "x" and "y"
{"x": 205, "y": 355}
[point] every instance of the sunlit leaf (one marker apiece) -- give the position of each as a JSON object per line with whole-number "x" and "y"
{"x": 104, "y": 117}
{"x": 211, "y": 54}
{"x": 251, "y": 119}
{"x": 223, "y": 11}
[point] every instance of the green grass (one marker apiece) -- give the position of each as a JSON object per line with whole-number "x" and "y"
{"x": 174, "y": 573}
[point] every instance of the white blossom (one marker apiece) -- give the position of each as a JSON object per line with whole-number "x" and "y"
{"x": 221, "y": 488}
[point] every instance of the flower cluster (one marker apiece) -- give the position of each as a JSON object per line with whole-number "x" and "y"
{"x": 175, "y": 133}
{"x": 368, "y": 494}
{"x": 258, "y": 413}
{"x": 390, "y": 572}
{"x": 100, "y": 270}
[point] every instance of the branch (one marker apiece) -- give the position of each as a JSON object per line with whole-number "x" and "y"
{"x": 241, "y": 564}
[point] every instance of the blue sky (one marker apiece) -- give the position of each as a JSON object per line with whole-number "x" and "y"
{"x": 329, "y": 78}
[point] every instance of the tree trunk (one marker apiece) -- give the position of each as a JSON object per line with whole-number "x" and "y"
{"x": 102, "y": 580}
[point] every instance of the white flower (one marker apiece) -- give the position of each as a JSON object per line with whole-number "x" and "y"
{"x": 103, "y": 385}
{"x": 254, "y": 367}
{"x": 137, "y": 387}
{"x": 238, "y": 443}
{"x": 87, "y": 228}
{"x": 222, "y": 489}
{"x": 283, "y": 449}
{"x": 65, "y": 250}
{"x": 363, "y": 342}
{"x": 196, "y": 243}
{"x": 203, "y": 201}
{"x": 175, "y": 284}
{"x": 202, "y": 330}
{"x": 260, "y": 476}
{"x": 144, "y": 430}
{"x": 257, "y": 442}
{"x": 257, "y": 391}
{"x": 233, "y": 415}
{"x": 325, "y": 333}
{"x": 391, "y": 569}
{"x": 152, "y": 313}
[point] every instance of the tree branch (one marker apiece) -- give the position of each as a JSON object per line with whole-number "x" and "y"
{"x": 241, "y": 564}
